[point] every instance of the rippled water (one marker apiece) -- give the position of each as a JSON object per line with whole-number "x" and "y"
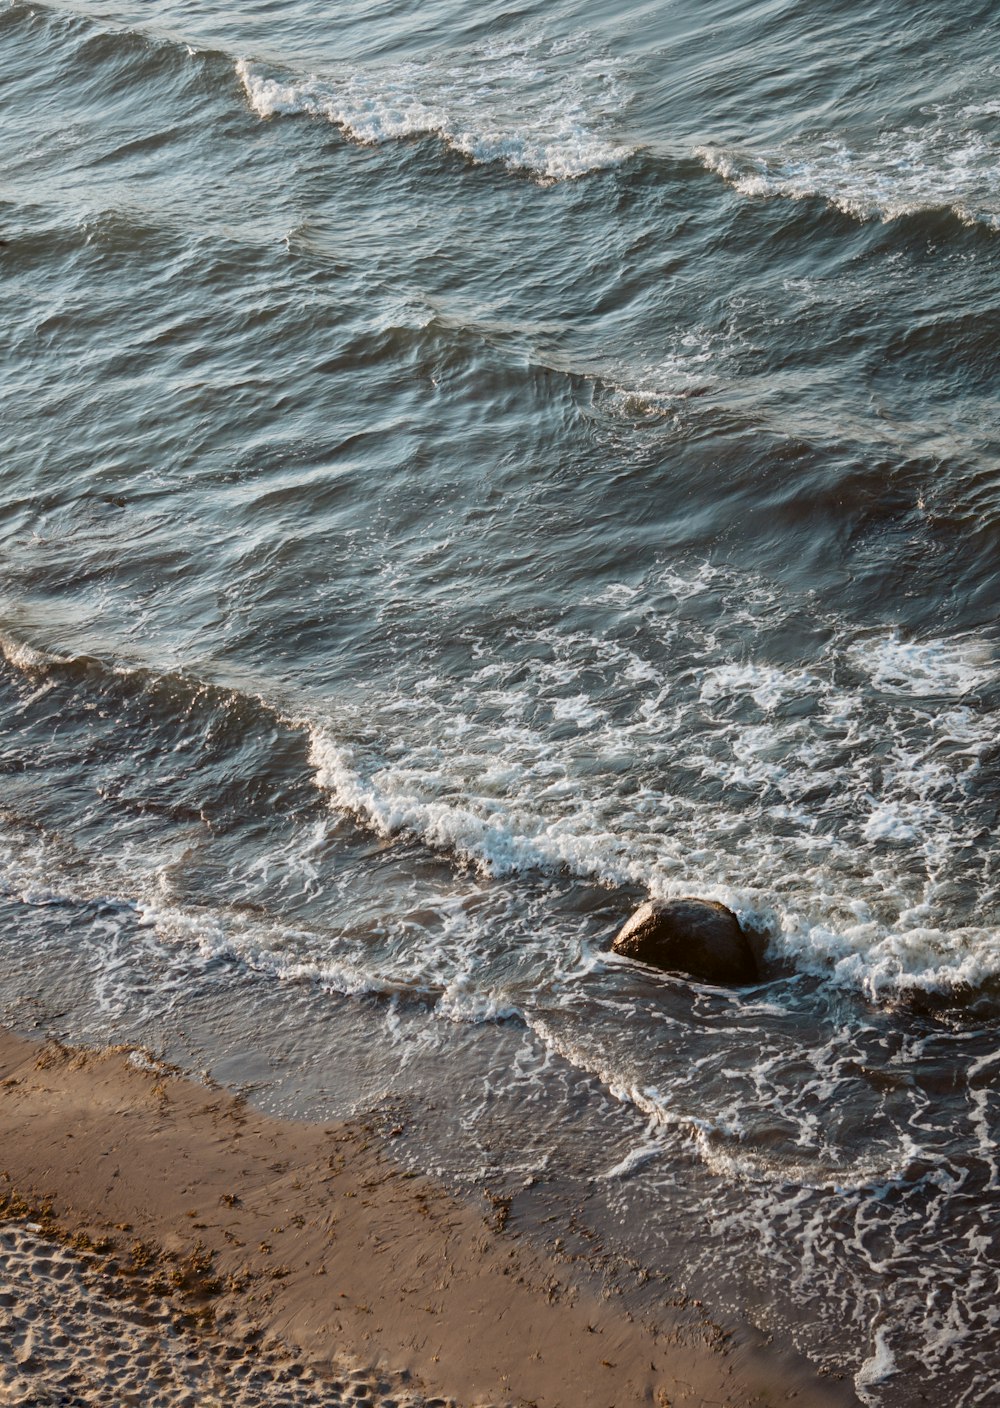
{"x": 466, "y": 472}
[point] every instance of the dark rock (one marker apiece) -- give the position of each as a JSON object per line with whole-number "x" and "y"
{"x": 698, "y": 937}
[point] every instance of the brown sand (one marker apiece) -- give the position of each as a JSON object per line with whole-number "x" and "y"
{"x": 167, "y": 1244}
{"x": 72, "y": 1333}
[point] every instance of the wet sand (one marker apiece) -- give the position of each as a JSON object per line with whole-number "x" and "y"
{"x": 165, "y": 1242}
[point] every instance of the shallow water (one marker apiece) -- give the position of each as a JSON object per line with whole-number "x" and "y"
{"x": 466, "y": 473}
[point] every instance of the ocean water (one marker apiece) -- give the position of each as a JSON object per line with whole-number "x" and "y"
{"x": 468, "y": 471}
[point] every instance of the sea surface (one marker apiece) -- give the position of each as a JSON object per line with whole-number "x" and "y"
{"x": 466, "y": 470}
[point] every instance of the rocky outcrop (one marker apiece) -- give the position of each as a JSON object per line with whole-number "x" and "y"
{"x": 700, "y": 938}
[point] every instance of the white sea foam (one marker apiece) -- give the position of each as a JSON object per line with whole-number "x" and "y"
{"x": 530, "y": 106}
{"x": 634, "y": 1160}
{"x": 879, "y": 1366}
{"x": 863, "y": 903}
{"x": 767, "y": 685}
{"x": 680, "y": 378}
{"x": 660, "y": 387}
{"x": 693, "y": 582}
{"x": 944, "y": 166}
{"x": 896, "y": 821}
{"x": 934, "y": 667}
{"x": 717, "y": 1136}
{"x": 883, "y": 961}
{"x": 477, "y": 828}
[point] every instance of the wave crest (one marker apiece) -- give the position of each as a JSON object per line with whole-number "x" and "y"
{"x": 515, "y": 106}
{"x": 916, "y": 170}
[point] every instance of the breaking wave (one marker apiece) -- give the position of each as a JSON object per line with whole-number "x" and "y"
{"x": 949, "y": 164}
{"x": 530, "y": 106}
{"x": 839, "y": 806}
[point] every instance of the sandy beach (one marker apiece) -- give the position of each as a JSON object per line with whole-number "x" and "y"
{"x": 165, "y": 1242}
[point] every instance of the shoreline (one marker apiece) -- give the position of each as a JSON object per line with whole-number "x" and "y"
{"x": 280, "y": 1245}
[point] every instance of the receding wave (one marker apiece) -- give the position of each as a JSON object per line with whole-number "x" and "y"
{"x": 528, "y": 106}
